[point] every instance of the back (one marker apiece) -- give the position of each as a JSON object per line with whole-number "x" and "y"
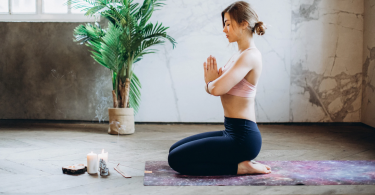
{"x": 237, "y": 106}
{"x": 254, "y": 74}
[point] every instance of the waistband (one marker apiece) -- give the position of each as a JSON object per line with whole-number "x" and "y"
{"x": 238, "y": 121}
{"x": 238, "y": 127}
{"x": 239, "y": 124}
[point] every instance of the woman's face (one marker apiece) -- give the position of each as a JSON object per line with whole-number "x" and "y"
{"x": 230, "y": 28}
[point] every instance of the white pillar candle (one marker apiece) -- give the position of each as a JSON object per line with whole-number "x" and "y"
{"x": 104, "y": 156}
{"x": 92, "y": 160}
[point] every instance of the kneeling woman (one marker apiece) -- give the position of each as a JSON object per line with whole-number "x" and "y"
{"x": 230, "y": 151}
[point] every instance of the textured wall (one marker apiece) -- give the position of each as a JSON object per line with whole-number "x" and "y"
{"x": 45, "y": 75}
{"x": 326, "y": 65}
{"x": 368, "y": 100}
{"x": 312, "y": 59}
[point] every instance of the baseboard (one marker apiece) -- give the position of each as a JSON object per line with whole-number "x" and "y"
{"x": 10, "y": 121}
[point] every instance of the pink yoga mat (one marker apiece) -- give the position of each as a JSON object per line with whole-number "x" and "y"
{"x": 329, "y": 172}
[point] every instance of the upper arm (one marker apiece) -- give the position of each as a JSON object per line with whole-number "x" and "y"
{"x": 235, "y": 73}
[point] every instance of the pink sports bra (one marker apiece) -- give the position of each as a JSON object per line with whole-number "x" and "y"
{"x": 243, "y": 88}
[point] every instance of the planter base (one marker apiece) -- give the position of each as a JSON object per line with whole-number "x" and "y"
{"x": 121, "y": 121}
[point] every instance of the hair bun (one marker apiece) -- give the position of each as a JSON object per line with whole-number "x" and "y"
{"x": 259, "y": 23}
{"x": 260, "y": 28}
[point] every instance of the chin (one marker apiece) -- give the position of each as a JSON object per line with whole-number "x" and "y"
{"x": 230, "y": 41}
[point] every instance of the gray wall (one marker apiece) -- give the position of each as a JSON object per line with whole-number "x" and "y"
{"x": 368, "y": 100}
{"x": 312, "y": 66}
{"x": 45, "y": 75}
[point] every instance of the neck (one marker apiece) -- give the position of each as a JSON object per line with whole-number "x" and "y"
{"x": 245, "y": 42}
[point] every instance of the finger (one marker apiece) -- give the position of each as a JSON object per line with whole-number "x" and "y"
{"x": 215, "y": 64}
{"x": 208, "y": 63}
{"x": 205, "y": 68}
{"x": 212, "y": 62}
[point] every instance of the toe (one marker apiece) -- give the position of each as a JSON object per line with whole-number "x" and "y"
{"x": 268, "y": 167}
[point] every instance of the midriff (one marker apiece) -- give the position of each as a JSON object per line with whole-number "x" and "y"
{"x": 238, "y": 107}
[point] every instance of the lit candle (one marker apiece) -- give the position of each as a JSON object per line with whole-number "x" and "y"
{"x": 92, "y": 160}
{"x": 103, "y": 156}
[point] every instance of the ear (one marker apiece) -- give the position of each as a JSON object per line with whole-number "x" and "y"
{"x": 244, "y": 24}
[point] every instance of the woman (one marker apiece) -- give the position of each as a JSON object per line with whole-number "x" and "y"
{"x": 229, "y": 152}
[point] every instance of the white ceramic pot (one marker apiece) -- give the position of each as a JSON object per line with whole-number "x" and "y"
{"x": 121, "y": 121}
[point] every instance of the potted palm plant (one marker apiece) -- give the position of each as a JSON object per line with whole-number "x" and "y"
{"x": 118, "y": 47}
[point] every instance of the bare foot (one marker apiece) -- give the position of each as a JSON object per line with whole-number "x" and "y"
{"x": 246, "y": 167}
{"x": 268, "y": 167}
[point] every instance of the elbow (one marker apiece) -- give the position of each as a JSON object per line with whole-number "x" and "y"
{"x": 216, "y": 92}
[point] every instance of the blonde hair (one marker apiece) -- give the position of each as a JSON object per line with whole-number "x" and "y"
{"x": 242, "y": 11}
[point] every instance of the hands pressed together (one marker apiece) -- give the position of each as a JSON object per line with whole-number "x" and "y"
{"x": 210, "y": 69}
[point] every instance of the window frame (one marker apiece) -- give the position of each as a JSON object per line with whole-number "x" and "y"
{"x": 39, "y": 16}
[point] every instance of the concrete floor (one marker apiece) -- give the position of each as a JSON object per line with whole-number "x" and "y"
{"x": 32, "y": 154}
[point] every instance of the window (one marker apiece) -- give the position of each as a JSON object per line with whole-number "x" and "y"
{"x": 4, "y": 7}
{"x": 23, "y": 6}
{"x": 54, "y": 6}
{"x": 40, "y": 11}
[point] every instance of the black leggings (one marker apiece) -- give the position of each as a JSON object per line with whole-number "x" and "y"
{"x": 217, "y": 152}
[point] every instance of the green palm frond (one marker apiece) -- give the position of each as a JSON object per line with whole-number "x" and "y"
{"x": 151, "y": 31}
{"x": 126, "y": 40}
{"x": 110, "y": 47}
{"x": 158, "y": 3}
{"x": 98, "y": 57}
{"x": 145, "y": 12}
{"x": 142, "y": 50}
{"x": 91, "y": 36}
{"x": 135, "y": 93}
{"x": 88, "y": 33}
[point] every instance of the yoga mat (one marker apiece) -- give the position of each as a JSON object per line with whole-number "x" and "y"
{"x": 328, "y": 172}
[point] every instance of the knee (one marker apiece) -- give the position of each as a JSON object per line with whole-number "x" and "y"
{"x": 171, "y": 148}
{"x": 175, "y": 145}
{"x": 173, "y": 161}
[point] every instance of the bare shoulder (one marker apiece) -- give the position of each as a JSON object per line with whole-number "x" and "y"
{"x": 252, "y": 57}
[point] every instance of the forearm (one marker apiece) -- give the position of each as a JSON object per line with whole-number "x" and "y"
{"x": 208, "y": 87}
